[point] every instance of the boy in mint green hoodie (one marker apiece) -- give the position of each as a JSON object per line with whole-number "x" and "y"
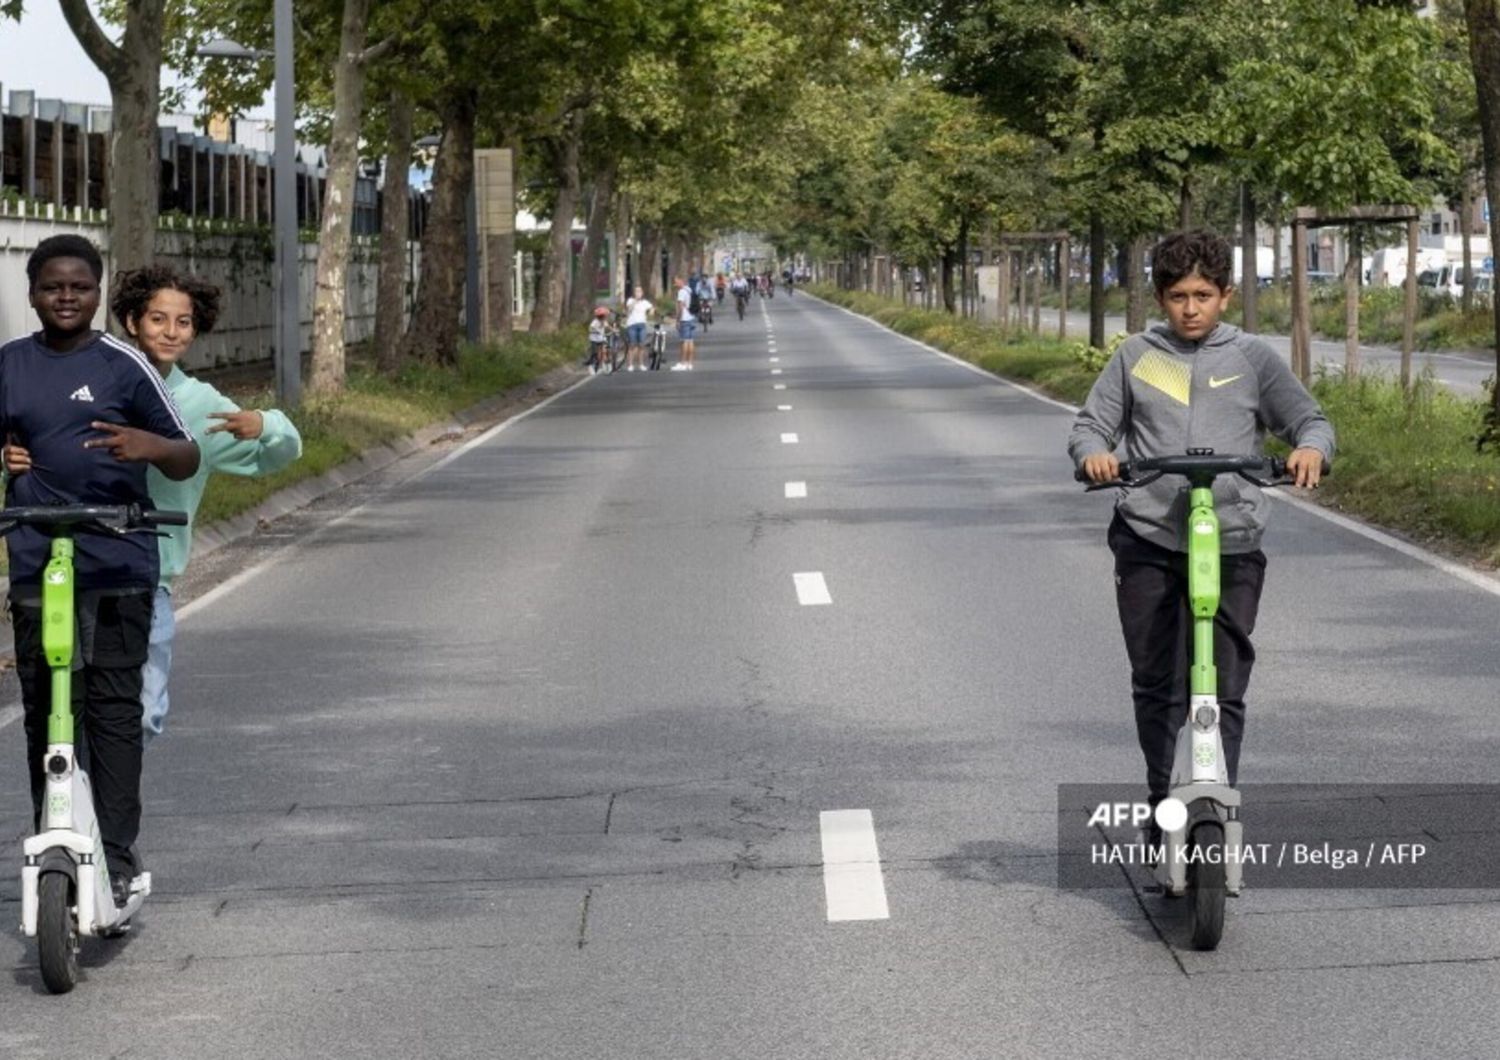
{"x": 163, "y": 312}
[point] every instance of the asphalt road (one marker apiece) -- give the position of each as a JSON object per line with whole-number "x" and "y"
{"x": 527, "y": 753}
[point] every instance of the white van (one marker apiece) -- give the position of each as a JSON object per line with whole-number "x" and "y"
{"x": 1449, "y": 279}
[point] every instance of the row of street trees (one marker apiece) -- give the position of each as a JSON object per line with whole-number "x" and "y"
{"x": 1120, "y": 119}
{"x": 662, "y": 120}
{"x": 906, "y": 129}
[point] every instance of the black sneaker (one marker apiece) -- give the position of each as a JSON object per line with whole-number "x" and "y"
{"x": 119, "y": 887}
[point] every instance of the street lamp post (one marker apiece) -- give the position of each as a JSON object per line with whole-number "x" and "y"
{"x": 288, "y": 318}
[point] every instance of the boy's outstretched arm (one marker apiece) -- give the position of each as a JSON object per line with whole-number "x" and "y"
{"x": 176, "y": 458}
{"x": 249, "y": 442}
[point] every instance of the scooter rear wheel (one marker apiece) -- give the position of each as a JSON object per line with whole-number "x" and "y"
{"x": 1208, "y": 885}
{"x": 56, "y": 935}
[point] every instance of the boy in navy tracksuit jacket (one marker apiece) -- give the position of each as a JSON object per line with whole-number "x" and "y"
{"x": 93, "y": 414}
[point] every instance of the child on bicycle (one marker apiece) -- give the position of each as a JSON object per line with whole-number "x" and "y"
{"x": 598, "y": 339}
{"x": 90, "y": 415}
{"x": 1191, "y": 382}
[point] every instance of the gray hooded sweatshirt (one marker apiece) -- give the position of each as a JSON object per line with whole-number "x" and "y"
{"x": 1163, "y": 395}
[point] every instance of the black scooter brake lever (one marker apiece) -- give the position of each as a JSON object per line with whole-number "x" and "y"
{"x": 1133, "y": 483}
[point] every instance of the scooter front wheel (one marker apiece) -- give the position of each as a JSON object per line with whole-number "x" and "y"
{"x": 1208, "y": 885}
{"x": 56, "y": 934}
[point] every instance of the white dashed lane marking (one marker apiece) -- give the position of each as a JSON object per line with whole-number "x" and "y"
{"x": 796, "y": 490}
{"x": 852, "y": 880}
{"x": 789, "y": 439}
{"x": 812, "y": 590}
{"x": 783, "y": 408}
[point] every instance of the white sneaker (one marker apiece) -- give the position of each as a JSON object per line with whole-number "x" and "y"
{"x": 630, "y": 367}
{"x": 690, "y": 366}
{"x": 679, "y": 366}
{"x": 593, "y": 370}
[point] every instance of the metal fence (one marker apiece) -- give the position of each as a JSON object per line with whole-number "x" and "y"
{"x": 239, "y": 263}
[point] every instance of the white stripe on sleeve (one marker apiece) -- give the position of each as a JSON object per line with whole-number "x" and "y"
{"x": 161, "y": 387}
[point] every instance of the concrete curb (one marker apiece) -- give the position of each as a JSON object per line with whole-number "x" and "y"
{"x": 211, "y": 538}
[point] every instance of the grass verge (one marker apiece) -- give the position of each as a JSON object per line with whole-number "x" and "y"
{"x": 376, "y": 409}
{"x": 1406, "y": 461}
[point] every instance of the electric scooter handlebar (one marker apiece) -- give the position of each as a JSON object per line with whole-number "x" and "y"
{"x": 90, "y": 518}
{"x": 1199, "y": 467}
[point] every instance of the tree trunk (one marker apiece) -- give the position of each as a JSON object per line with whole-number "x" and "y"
{"x": 650, "y": 268}
{"x": 950, "y": 300}
{"x": 1466, "y": 207}
{"x": 1276, "y": 266}
{"x": 390, "y": 291}
{"x": 620, "y": 275}
{"x": 1249, "y": 267}
{"x": 1135, "y": 301}
{"x": 1483, "y": 20}
{"x": 330, "y": 287}
{"x": 551, "y": 288}
{"x": 1096, "y": 281}
{"x": 1351, "y": 305}
{"x": 963, "y": 264}
{"x": 133, "y": 70}
{"x": 1185, "y": 205}
{"x": 581, "y": 298}
{"x": 434, "y": 331}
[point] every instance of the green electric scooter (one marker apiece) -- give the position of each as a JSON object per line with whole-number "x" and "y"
{"x": 1200, "y": 856}
{"x": 65, "y": 885}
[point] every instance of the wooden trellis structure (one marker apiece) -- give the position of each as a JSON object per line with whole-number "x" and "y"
{"x": 1008, "y": 247}
{"x": 1307, "y": 217}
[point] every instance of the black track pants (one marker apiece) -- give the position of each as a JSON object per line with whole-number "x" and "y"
{"x": 1151, "y": 589}
{"x": 113, "y": 634}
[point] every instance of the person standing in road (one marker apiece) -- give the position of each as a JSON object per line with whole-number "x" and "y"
{"x": 638, "y": 312}
{"x": 688, "y": 305}
{"x": 1193, "y": 382}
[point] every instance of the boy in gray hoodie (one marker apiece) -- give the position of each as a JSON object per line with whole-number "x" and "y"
{"x": 1192, "y": 382}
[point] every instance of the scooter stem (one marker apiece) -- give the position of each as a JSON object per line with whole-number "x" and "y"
{"x": 58, "y": 637}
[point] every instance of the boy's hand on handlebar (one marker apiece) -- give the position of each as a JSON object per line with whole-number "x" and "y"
{"x": 1101, "y": 467}
{"x": 16, "y": 459}
{"x": 1306, "y": 467}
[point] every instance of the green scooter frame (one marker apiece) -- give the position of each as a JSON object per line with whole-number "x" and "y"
{"x": 1201, "y": 858}
{"x": 65, "y": 884}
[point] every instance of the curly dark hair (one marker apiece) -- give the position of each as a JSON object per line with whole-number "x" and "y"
{"x": 134, "y": 290}
{"x": 63, "y": 246}
{"x": 1181, "y": 254}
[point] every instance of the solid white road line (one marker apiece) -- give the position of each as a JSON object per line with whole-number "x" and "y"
{"x": 224, "y": 588}
{"x": 1464, "y": 574}
{"x": 852, "y": 881}
{"x": 812, "y": 590}
{"x": 796, "y": 490}
{"x": 789, "y": 439}
{"x": 11, "y": 714}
